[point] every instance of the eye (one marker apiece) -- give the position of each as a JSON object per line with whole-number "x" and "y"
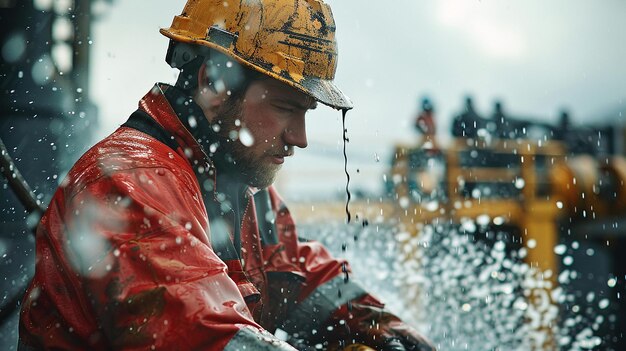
{"x": 284, "y": 107}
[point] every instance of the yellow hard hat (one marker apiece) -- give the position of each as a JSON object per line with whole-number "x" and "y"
{"x": 289, "y": 40}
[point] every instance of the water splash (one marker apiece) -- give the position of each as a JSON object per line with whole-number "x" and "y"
{"x": 464, "y": 287}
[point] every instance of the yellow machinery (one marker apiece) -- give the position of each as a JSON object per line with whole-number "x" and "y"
{"x": 551, "y": 186}
{"x": 528, "y": 184}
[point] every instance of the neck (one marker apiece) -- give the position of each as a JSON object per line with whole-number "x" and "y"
{"x": 193, "y": 118}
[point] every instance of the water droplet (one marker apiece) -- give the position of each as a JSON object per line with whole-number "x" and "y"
{"x": 431, "y": 206}
{"x": 233, "y": 135}
{"x": 213, "y": 148}
{"x": 193, "y": 123}
{"x": 14, "y": 47}
{"x": 246, "y": 137}
{"x": 604, "y": 303}
{"x": 483, "y": 220}
{"x": 560, "y": 249}
{"x": 404, "y": 202}
{"x": 568, "y": 260}
{"x": 43, "y": 70}
{"x": 468, "y": 226}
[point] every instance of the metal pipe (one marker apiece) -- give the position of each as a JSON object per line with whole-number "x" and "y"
{"x": 17, "y": 182}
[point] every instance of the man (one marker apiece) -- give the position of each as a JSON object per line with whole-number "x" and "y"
{"x": 168, "y": 234}
{"x": 425, "y": 125}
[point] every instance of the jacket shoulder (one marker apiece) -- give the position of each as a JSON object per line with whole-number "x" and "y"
{"x": 125, "y": 150}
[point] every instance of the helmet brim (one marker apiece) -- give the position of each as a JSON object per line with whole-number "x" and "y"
{"x": 326, "y": 92}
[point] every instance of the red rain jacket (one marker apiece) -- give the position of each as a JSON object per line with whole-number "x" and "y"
{"x": 125, "y": 260}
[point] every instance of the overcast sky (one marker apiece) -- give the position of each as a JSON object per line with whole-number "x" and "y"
{"x": 537, "y": 56}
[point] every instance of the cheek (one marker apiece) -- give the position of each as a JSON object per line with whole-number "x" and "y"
{"x": 262, "y": 125}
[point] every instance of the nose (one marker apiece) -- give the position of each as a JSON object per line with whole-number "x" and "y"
{"x": 295, "y": 133}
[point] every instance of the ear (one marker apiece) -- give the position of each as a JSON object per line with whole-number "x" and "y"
{"x": 202, "y": 78}
{"x": 206, "y": 97}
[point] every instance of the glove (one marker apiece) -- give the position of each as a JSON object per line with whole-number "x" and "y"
{"x": 394, "y": 345}
{"x": 409, "y": 341}
{"x": 372, "y": 325}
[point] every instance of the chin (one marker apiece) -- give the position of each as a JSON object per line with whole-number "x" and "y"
{"x": 263, "y": 180}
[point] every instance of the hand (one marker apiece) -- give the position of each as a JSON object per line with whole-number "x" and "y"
{"x": 408, "y": 344}
{"x": 405, "y": 338}
{"x": 385, "y": 330}
{"x": 393, "y": 345}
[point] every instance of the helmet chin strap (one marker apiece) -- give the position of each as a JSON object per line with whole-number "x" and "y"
{"x": 188, "y": 76}
{"x": 180, "y": 54}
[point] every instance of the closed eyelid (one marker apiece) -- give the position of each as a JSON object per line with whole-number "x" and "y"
{"x": 285, "y": 107}
{"x": 295, "y": 105}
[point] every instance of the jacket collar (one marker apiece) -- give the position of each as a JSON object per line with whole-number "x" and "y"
{"x": 156, "y": 105}
{"x": 181, "y": 116}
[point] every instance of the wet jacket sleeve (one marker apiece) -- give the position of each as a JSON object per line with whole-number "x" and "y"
{"x": 337, "y": 310}
{"x": 332, "y": 308}
{"x": 135, "y": 259}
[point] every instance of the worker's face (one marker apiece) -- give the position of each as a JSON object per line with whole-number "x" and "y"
{"x": 270, "y": 122}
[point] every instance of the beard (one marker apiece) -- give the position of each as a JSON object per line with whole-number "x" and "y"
{"x": 254, "y": 171}
{"x": 234, "y": 159}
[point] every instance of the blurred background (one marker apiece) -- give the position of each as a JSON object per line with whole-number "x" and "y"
{"x": 535, "y": 57}
{"x": 448, "y": 96}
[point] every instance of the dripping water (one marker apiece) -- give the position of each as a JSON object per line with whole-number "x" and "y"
{"x": 345, "y": 164}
